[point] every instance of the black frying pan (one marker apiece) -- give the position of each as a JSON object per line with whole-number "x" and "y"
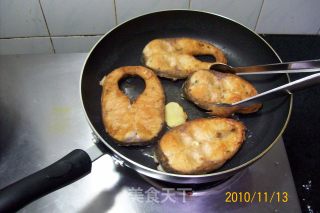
{"x": 123, "y": 46}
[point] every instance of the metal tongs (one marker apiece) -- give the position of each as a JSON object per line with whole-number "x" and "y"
{"x": 289, "y": 88}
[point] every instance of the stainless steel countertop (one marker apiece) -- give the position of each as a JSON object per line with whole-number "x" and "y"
{"x": 42, "y": 120}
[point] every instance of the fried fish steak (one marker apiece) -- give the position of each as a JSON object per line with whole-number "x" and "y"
{"x": 132, "y": 122}
{"x": 208, "y": 89}
{"x": 200, "y": 146}
{"x": 174, "y": 57}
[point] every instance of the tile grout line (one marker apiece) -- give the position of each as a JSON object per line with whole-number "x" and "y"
{"x": 115, "y": 11}
{"x": 77, "y": 35}
{"x": 61, "y": 36}
{"x": 189, "y": 5}
{"x": 255, "y": 27}
{"x": 45, "y": 21}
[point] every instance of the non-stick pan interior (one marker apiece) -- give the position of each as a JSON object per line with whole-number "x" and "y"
{"x": 123, "y": 46}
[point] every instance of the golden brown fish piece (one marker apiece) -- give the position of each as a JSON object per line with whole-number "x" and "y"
{"x": 200, "y": 146}
{"x": 209, "y": 88}
{"x": 137, "y": 122}
{"x": 174, "y": 57}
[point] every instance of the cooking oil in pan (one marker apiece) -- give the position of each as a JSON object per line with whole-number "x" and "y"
{"x": 148, "y": 152}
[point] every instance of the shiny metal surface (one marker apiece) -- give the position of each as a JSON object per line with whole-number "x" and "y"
{"x": 94, "y": 152}
{"x": 288, "y": 67}
{"x": 286, "y": 89}
{"x": 213, "y": 188}
{"x": 42, "y": 120}
{"x": 280, "y": 72}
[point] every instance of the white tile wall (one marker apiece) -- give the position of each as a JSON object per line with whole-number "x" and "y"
{"x": 26, "y": 26}
{"x": 21, "y": 18}
{"x": 243, "y": 11}
{"x": 79, "y": 17}
{"x": 74, "y": 43}
{"x": 34, "y": 45}
{"x": 127, "y": 9}
{"x": 289, "y": 17}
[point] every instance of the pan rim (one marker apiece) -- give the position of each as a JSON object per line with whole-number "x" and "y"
{"x": 172, "y": 174}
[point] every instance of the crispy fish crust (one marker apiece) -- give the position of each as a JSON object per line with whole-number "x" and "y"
{"x": 174, "y": 57}
{"x": 133, "y": 123}
{"x": 209, "y": 88}
{"x": 200, "y": 146}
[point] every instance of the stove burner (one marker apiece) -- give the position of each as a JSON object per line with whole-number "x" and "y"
{"x": 196, "y": 189}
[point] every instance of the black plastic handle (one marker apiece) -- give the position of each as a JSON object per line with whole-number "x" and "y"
{"x": 70, "y": 168}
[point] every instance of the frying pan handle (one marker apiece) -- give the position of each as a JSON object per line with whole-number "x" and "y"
{"x": 70, "y": 168}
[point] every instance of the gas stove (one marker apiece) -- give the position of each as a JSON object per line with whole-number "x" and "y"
{"x": 42, "y": 120}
